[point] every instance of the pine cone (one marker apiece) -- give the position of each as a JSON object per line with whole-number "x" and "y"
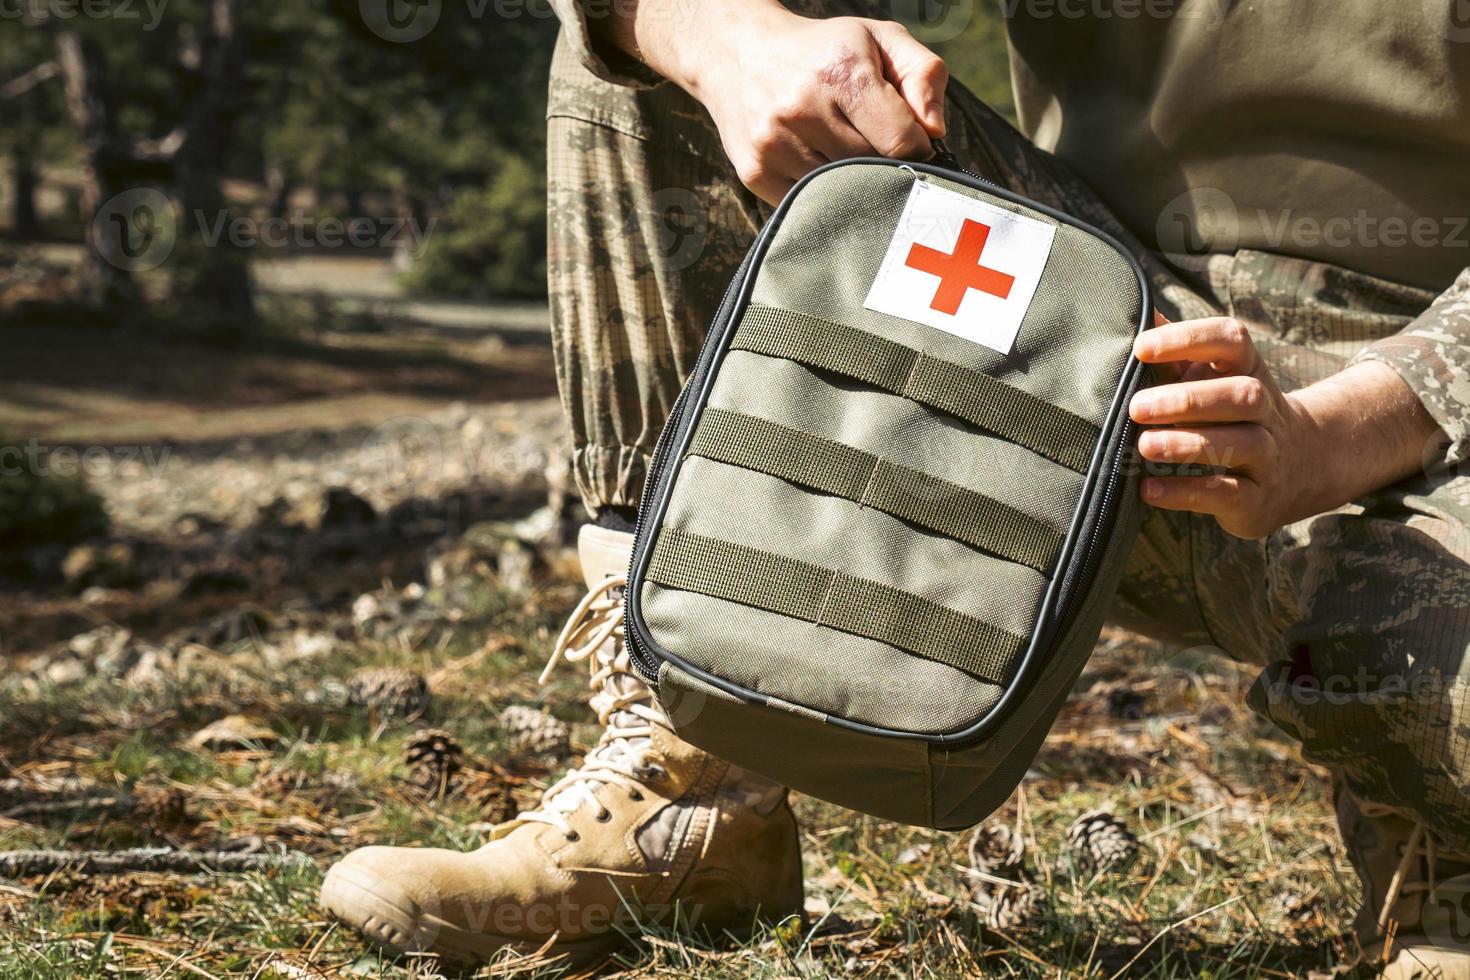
{"x": 1102, "y": 842}
{"x": 532, "y": 732}
{"x": 1009, "y": 909}
{"x": 433, "y": 758}
{"x": 393, "y": 692}
{"x": 999, "y": 852}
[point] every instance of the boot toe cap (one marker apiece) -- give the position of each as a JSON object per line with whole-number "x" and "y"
{"x": 364, "y": 892}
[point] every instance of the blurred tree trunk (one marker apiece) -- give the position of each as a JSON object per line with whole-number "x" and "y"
{"x": 221, "y": 274}
{"x": 410, "y": 213}
{"x": 25, "y": 222}
{"x": 280, "y": 186}
{"x": 105, "y": 279}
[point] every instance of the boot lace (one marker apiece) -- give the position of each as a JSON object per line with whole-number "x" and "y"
{"x": 1421, "y": 845}
{"x": 624, "y": 706}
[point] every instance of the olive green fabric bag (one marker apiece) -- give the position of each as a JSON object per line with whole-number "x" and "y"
{"x": 879, "y": 535}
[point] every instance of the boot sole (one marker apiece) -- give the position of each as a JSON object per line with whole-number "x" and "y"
{"x": 386, "y": 915}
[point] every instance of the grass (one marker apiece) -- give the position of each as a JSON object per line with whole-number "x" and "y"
{"x": 1240, "y": 873}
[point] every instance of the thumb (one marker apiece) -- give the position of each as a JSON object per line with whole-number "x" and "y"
{"x": 918, "y": 73}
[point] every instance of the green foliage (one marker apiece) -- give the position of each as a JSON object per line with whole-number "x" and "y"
{"x": 492, "y": 241}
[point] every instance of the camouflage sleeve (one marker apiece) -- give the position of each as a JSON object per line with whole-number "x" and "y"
{"x": 604, "y": 61}
{"x": 1432, "y": 354}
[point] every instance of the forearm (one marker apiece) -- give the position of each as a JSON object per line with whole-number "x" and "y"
{"x": 1367, "y": 430}
{"x": 674, "y": 37}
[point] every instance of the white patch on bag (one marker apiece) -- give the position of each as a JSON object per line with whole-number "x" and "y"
{"x": 962, "y": 266}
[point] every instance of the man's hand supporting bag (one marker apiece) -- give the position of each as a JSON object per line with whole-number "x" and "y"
{"x": 1284, "y": 456}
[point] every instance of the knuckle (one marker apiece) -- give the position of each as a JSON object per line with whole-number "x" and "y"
{"x": 764, "y": 139}
{"x": 751, "y": 171}
{"x": 1250, "y": 393}
{"x": 935, "y": 72}
{"x": 1233, "y": 332}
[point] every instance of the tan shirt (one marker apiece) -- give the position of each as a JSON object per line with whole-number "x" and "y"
{"x": 1333, "y": 130}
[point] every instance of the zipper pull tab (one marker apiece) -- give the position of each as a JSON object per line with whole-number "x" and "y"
{"x": 943, "y": 157}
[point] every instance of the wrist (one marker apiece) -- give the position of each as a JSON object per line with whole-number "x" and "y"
{"x": 1356, "y": 432}
{"x": 695, "y": 60}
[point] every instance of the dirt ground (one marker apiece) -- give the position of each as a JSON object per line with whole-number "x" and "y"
{"x": 347, "y": 536}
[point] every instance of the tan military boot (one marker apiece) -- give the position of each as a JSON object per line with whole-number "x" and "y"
{"x": 1415, "y": 919}
{"x": 648, "y": 830}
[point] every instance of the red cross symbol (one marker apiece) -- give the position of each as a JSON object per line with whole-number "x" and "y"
{"x": 960, "y": 271}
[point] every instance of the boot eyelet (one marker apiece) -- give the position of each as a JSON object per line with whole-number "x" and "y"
{"x": 604, "y": 816}
{"x": 573, "y": 836}
{"x": 635, "y": 795}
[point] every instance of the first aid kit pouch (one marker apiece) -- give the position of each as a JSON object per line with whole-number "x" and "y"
{"x": 889, "y": 510}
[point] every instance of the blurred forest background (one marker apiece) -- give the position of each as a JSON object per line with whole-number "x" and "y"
{"x": 163, "y": 161}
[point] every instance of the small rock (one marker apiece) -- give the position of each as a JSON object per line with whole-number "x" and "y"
{"x": 369, "y": 608}
{"x": 104, "y": 642}
{"x": 66, "y": 669}
{"x": 232, "y": 732}
{"x": 112, "y": 564}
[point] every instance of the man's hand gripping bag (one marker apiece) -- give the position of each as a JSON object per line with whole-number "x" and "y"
{"x": 890, "y": 508}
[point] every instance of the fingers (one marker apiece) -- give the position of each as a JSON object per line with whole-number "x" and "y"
{"x": 918, "y": 73}
{"x": 779, "y": 160}
{"x": 1240, "y": 398}
{"x": 1220, "y": 495}
{"x": 1231, "y": 447}
{"x": 1221, "y": 341}
{"x": 836, "y": 139}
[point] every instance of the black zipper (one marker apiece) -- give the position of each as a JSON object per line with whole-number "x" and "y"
{"x": 648, "y": 665}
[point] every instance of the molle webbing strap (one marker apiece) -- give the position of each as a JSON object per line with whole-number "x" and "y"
{"x": 752, "y": 577}
{"x": 962, "y": 392}
{"x": 911, "y": 495}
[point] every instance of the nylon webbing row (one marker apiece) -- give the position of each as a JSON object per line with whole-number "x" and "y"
{"x": 753, "y": 577}
{"x": 912, "y": 495}
{"x": 966, "y": 394}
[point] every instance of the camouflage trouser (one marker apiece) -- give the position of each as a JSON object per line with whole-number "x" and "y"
{"x": 1360, "y": 618}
